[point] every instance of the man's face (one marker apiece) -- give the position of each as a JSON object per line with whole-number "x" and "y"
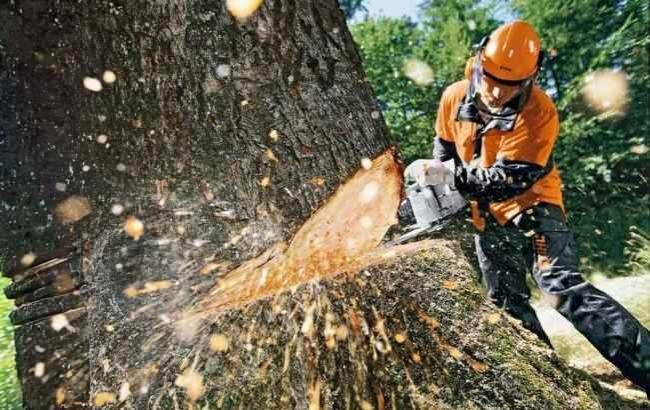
{"x": 496, "y": 94}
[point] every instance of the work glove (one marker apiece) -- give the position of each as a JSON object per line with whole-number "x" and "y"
{"x": 430, "y": 172}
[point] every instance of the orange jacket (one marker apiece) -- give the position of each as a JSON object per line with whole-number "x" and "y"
{"x": 531, "y": 140}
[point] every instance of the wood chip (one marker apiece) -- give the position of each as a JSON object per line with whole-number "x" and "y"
{"x": 60, "y": 395}
{"x": 219, "y": 343}
{"x": 416, "y": 358}
{"x": 493, "y": 318}
{"x": 318, "y": 181}
{"x": 450, "y": 284}
{"x": 270, "y": 155}
{"x": 455, "y": 353}
{"x": 104, "y": 398}
{"x": 134, "y": 227}
{"x": 477, "y": 366}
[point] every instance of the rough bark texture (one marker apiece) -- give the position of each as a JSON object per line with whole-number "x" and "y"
{"x": 222, "y": 137}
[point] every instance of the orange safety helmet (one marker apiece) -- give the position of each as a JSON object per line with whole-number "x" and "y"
{"x": 512, "y": 52}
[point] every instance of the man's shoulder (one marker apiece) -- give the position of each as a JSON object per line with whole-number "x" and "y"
{"x": 540, "y": 111}
{"x": 540, "y": 101}
{"x": 456, "y": 91}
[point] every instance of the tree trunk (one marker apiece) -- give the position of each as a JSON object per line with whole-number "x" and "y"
{"x": 168, "y": 232}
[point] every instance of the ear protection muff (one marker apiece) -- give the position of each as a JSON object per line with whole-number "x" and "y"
{"x": 540, "y": 59}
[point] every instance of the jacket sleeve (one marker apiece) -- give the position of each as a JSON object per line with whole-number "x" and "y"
{"x": 444, "y": 150}
{"x": 444, "y": 147}
{"x": 523, "y": 158}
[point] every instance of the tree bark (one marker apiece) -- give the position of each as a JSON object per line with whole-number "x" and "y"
{"x": 222, "y": 137}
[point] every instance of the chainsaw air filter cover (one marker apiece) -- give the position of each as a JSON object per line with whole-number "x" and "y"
{"x": 430, "y": 204}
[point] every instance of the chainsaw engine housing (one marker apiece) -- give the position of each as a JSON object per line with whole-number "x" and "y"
{"x": 426, "y": 206}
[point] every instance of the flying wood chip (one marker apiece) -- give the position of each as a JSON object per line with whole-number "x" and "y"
{"x": 493, "y": 318}
{"x": 419, "y": 72}
{"x": 156, "y": 286}
{"x": 455, "y": 353}
{"x": 270, "y": 155}
{"x": 219, "y": 343}
{"x": 450, "y": 284}
{"x": 212, "y": 266}
{"x": 60, "y": 395}
{"x": 192, "y": 382}
{"x": 60, "y": 322}
{"x": 416, "y": 357}
{"x": 28, "y": 259}
{"x": 242, "y": 9}
{"x": 72, "y": 209}
{"x": 134, "y": 227}
{"x": 477, "y": 366}
{"x": 92, "y": 84}
{"x": 109, "y": 77}
{"x": 266, "y": 181}
{"x": 104, "y": 398}
{"x": 606, "y": 91}
{"x": 318, "y": 181}
{"x": 125, "y": 391}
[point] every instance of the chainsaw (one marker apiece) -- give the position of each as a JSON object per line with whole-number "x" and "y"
{"x": 427, "y": 209}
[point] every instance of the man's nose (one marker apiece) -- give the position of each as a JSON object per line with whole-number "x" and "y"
{"x": 497, "y": 92}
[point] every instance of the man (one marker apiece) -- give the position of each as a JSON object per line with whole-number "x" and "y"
{"x": 497, "y": 128}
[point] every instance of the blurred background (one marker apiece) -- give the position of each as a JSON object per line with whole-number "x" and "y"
{"x": 599, "y": 77}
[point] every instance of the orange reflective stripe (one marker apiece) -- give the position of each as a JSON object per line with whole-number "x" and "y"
{"x": 477, "y": 219}
{"x": 541, "y": 248}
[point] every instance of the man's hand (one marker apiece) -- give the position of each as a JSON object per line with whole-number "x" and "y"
{"x": 430, "y": 172}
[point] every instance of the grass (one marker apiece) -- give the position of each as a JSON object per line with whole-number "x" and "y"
{"x": 10, "y": 396}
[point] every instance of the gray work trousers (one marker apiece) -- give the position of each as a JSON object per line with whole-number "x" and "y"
{"x": 539, "y": 238}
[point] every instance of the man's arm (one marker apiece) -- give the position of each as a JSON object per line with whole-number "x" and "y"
{"x": 444, "y": 150}
{"x": 503, "y": 180}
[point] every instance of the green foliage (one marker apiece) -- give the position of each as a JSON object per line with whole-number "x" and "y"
{"x": 604, "y": 172}
{"x": 638, "y": 251}
{"x": 442, "y": 40}
{"x": 10, "y": 397}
